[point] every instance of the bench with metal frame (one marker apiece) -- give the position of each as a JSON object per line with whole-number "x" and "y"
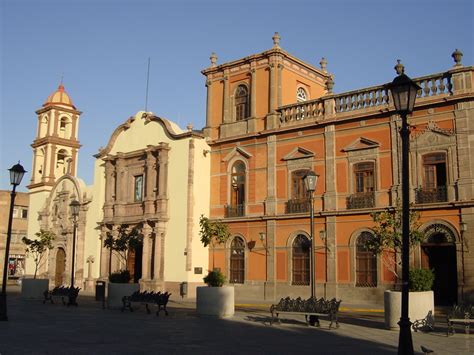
{"x": 460, "y": 314}
{"x": 157, "y": 299}
{"x": 312, "y": 308}
{"x": 60, "y": 291}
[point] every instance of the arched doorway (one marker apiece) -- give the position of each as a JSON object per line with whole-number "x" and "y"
{"x": 438, "y": 253}
{"x": 60, "y": 267}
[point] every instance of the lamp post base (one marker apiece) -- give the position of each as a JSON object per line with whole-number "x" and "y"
{"x": 3, "y": 307}
{"x": 405, "y": 341}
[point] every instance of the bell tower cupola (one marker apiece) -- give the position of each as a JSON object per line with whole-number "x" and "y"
{"x": 56, "y": 147}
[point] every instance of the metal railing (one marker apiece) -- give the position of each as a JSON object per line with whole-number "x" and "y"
{"x": 433, "y": 195}
{"x": 234, "y": 210}
{"x": 360, "y": 200}
{"x": 297, "y": 205}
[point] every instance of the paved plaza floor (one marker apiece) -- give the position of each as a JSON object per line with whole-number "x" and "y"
{"x": 37, "y": 328}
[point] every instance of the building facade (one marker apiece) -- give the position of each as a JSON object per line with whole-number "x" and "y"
{"x": 271, "y": 118}
{"x": 16, "y": 261}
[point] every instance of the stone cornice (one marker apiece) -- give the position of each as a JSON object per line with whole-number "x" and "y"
{"x": 267, "y": 54}
{"x": 59, "y": 108}
{"x": 168, "y": 129}
{"x": 57, "y": 141}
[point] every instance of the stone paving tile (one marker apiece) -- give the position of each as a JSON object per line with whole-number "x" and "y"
{"x": 34, "y": 328}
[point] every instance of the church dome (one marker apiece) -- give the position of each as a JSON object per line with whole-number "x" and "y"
{"x": 59, "y": 97}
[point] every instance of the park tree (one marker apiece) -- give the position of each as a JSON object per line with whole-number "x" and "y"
{"x": 37, "y": 247}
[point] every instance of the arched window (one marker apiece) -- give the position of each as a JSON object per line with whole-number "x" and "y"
{"x": 300, "y": 259}
{"x": 43, "y": 129}
{"x": 301, "y": 95}
{"x": 366, "y": 262}
{"x": 241, "y": 100}
{"x": 237, "y": 261}
{"x": 61, "y": 161}
{"x": 64, "y": 127}
{"x": 237, "y": 190}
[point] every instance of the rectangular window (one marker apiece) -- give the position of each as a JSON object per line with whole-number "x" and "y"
{"x": 20, "y": 212}
{"x": 138, "y": 195}
{"x": 364, "y": 177}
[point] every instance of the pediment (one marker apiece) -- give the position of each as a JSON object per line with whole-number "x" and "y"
{"x": 361, "y": 143}
{"x": 298, "y": 153}
{"x": 237, "y": 151}
{"x": 433, "y": 134}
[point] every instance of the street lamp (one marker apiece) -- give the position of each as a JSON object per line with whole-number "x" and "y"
{"x": 74, "y": 205}
{"x": 310, "y": 181}
{"x": 16, "y": 174}
{"x": 404, "y": 92}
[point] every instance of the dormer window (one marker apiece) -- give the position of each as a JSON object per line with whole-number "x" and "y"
{"x": 241, "y": 103}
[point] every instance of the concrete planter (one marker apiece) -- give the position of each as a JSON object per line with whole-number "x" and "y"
{"x": 33, "y": 289}
{"x": 215, "y": 301}
{"x": 420, "y": 303}
{"x": 116, "y": 291}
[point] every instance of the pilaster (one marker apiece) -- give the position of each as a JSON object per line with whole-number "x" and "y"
{"x": 270, "y": 202}
{"x": 330, "y": 194}
{"x": 331, "y": 258}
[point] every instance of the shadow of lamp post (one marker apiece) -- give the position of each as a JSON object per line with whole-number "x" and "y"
{"x": 74, "y": 205}
{"x": 404, "y": 92}
{"x": 16, "y": 174}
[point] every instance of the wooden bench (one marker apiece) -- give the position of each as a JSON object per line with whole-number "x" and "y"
{"x": 312, "y": 308}
{"x": 460, "y": 314}
{"x": 60, "y": 291}
{"x": 157, "y": 299}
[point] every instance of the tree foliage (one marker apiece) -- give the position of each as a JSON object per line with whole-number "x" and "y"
{"x": 213, "y": 232}
{"x": 127, "y": 239}
{"x": 387, "y": 240}
{"x": 37, "y": 247}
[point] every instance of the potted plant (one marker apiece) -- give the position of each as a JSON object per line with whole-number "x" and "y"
{"x": 387, "y": 243}
{"x": 215, "y": 299}
{"x": 119, "y": 281}
{"x": 33, "y": 288}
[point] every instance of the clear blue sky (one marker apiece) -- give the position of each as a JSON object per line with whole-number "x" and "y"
{"x": 102, "y": 47}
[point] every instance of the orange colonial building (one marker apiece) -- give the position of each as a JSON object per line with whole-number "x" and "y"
{"x": 272, "y": 117}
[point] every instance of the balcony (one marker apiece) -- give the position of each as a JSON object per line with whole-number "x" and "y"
{"x": 433, "y": 195}
{"x": 297, "y": 205}
{"x": 360, "y": 200}
{"x": 234, "y": 210}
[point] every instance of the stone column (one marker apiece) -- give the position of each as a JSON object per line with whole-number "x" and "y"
{"x": 331, "y": 255}
{"x": 279, "y": 85}
{"x": 146, "y": 254}
{"x": 208, "y": 103}
{"x": 52, "y": 165}
{"x": 104, "y": 255}
{"x": 120, "y": 182}
{"x": 33, "y": 173}
{"x": 150, "y": 182}
{"x": 330, "y": 194}
{"x": 55, "y": 126}
{"x": 190, "y": 207}
{"x": 464, "y": 111}
{"x": 163, "y": 181}
{"x": 253, "y": 90}
{"x": 227, "y": 114}
{"x": 272, "y": 84}
{"x": 74, "y": 129}
{"x": 270, "y": 202}
{"x": 270, "y": 286}
{"x": 72, "y": 171}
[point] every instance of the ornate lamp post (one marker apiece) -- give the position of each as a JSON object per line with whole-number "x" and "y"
{"x": 404, "y": 92}
{"x": 75, "y": 205}
{"x": 16, "y": 174}
{"x": 310, "y": 181}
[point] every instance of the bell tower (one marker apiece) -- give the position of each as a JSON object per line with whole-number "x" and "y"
{"x": 55, "y": 148}
{"x": 55, "y": 151}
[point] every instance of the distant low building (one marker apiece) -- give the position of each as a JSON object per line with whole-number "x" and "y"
{"x": 16, "y": 260}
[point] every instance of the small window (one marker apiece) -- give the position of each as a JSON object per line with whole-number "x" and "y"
{"x": 298, "y": 189}
{"x": 366, "y": 263}
{"x": 364, "y": 177}
{"x": 241, "y": 103}
{"x": 237, "y": 261}
{"x": 238, "y": 184}
{"x": 301, "y": 95}
{"x": 434, "y": 166}
{"x": 300, "y": 260}
{"x": 138, "y": 195}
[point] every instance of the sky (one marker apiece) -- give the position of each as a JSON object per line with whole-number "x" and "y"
{"x": 101, "y": 48}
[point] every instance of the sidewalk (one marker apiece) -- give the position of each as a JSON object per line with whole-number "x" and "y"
{"x": 37, "y": 328}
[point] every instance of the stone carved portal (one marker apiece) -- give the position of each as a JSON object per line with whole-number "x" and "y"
{"x": 438, "y": 253}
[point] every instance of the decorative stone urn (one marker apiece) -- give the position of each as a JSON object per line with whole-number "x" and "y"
{"x": 215, "y": 301}
{"x": 419, "y": 304}
{"x": 33, "y": 289}
{"x": 116, "y": 291}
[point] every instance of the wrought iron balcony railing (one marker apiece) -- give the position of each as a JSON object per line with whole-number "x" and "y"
{"x": 234, "y": 210}
{"x": 437, "y": 194}
{"x": 298, "y": 205}
{"x": 360, "y": 200}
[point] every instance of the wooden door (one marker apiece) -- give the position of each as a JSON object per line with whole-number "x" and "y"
{"x": 60, "y": 267}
